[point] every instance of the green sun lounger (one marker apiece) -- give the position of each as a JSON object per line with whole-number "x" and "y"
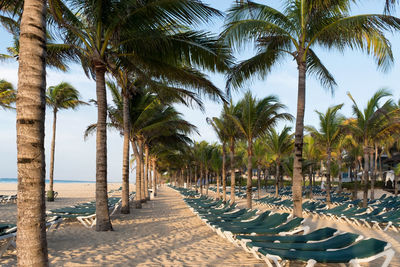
{"x": 363, "y": 251}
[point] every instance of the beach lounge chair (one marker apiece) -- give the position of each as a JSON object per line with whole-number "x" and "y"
{"x": 364, "y": 251}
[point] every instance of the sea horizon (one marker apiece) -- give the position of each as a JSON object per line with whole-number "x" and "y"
{"x": 15, "y": 180}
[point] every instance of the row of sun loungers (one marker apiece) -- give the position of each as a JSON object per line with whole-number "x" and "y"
{"x": 270, "y": 236}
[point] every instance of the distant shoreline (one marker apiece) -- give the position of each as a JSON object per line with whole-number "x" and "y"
{"x": 15, "y": 180}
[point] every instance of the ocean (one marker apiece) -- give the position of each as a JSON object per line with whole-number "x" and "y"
{"x": 15, "y": 180}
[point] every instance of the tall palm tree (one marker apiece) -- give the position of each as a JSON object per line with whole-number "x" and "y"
{"x": 279, "y": 145}
{"x": 374, "y": 122}
{"x": 59, "y": 97}
{"x": 147, "y": 32}
{"x": 31, "y": 102}
{"x": 303, "y": 25}
{"x": 255, "y": 118}
{"x": 7, "y": 94}
{"x": 328, "y": 136}
{"x": 219, "y": 128}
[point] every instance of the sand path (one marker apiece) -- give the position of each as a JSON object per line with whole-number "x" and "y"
{"x": 164, "y": 233}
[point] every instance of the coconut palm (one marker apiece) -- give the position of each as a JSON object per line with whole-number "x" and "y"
{"x": 255, "y": 118}
{"x": 218, "y": 126}
{"x": 30, "y": 105}
{"x": 279, "y": 144}
{"x": 7, "y": 95}
{"x": 328, "y": 136}
{"x": 302, "y": 26}
{"x": 147, "y": 32}
{"x": 59, "y": 97}
{"x": 372, "y": 123}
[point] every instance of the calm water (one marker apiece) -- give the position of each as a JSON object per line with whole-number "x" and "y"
{"x": 15, "y": 180}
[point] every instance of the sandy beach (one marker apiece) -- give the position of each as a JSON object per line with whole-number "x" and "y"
{"x": 164, "y": 233}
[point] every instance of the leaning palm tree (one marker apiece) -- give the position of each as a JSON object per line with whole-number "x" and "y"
{"x": 372, "y": 123}
{"x": 302, "y": 26}
{"x": 30, "y": 105}
{"x": 255, "y": 118}
{"x": 150, "y": 33}
{"x": 279, "y": 145}
{"x": 328, "y": 136}
{"x": 7, "y": 94}
{"x": 59, "y": 97}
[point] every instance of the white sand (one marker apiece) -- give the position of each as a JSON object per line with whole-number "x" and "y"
{"x": 164, "y": 233}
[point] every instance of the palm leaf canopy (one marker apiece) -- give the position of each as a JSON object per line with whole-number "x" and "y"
{"x": 63, "y": 96}
{"x": 8, "y": 94}
{"x": 297, "y": 30}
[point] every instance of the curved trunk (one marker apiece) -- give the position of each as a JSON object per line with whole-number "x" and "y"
{"x": 146, "y": 171}
{"x": 31, "y": 207}
{"x": 224, "y": 172}
{"x": 125, "y": 157}
{"x": 138, "y": 197}
{"x": 103, "y": 222}
{"x": 50, "y": 193}
{"x": 328, "y": 177}
{"x": 232, "y": 158}
{"x": 249, "y": 191}
{"x": 277, "y": 174}
{"x": 298, "y": 142}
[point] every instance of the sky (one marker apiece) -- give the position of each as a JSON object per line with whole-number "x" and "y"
{"x": 355, "y": 72}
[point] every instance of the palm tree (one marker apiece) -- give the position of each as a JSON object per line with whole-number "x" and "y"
{"x": 254, "y": 119}
{"x": 149, "y": 34}
{"x": 31, "y": 103}
{"x": 279, "y": 145}
{"x": 260, "y": 151}
{"x": 373, "y": 122}
{"x": 216, "y": 164}
{"x": 218, "y": 126}
{"x": 232, "y": 135}
{"x": 7, "y": 94}
{"x": 302, "y": 26}
{"x": 328, "y": 136}
{"x": 59, "y": 97}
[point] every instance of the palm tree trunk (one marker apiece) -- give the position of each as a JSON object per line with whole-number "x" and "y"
{"x": 31, "y": 223}
{"x": 365, "y": 175}
{"x": 196, "y": 178}
{"x": 125, "y": 157}
{"x": 103, "y": 222}
{"x": 50, "y": 193}
{"x": 258, "y": 181}
{"x": 310, "y": 175}
{"x": 328, "y": 177}
{"x": 154, "y": 178}
{"x": 224, "y": 172}
{"x": 218, "y": 184}
{"x": 232, "y": 158}
{"x": 201, "y": 178}
{"x": 396, "y": 186}
{"x": 207, "y": 181}
{"x": 138, "y": 204}
{"x": 277, "y": 174}
{"x": 340, "y": 172}
{"x": 249, "y": 173}
{"x": 146, "y": 171}
{"x": 375, "y": 160}
{"x": 298, "y": 142}
{"x": 142, "y": 183}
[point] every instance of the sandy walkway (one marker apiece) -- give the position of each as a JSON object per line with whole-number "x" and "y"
{"x": 164, "y": 233}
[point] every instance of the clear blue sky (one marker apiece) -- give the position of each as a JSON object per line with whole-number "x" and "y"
{"x": 75, "y": 159}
